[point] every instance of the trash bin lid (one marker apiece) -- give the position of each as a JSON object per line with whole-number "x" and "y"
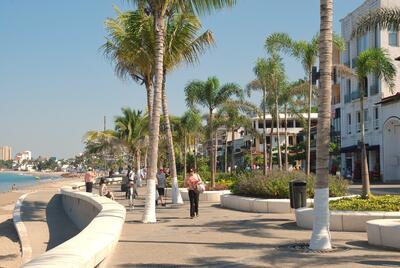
{"x": 298, "y": 183}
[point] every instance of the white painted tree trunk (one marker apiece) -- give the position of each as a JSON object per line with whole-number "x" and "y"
{"x": 320, "y": 238}
{"x": 149, "y": 214}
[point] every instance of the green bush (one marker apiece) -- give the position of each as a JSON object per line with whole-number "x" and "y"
{"x": 374, "y": 203}
{"x": 276, "y": 184}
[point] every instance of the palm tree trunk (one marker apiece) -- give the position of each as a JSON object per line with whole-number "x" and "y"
{"x": 232, "y": 151}
{"x": 176, "y": 195}
{"x": 212, "y": 160}
{"x": 286, "y": 140}
{"x": 320, "y": 239}
{"x": 364, "y": 159}
{"x": 226, "y": 152}
{"x": 264, "y": 133}
{"x": 185, "y": 153}
{"x": 195, "y": 153}
{"x": 271, "y": 136}
{"x": 150, "y": 96}
{"x": 278, "y": 124}
{"x": 308, "y": 150}
{"x": 216, "y": 154}
{"x": 138, "y": 154}
{"x": 149, "y": 215}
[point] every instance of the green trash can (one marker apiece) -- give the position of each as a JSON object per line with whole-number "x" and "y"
{"x": 298, "y": 194}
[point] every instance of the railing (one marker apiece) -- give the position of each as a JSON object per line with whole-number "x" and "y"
{"x": 347, "y": 98}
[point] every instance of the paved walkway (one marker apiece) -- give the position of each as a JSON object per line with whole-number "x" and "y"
{"x": 46, "y": 223}
{"x": 227, "y": 238}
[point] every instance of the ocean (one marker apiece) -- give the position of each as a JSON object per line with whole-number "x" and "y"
{"x": 8, "y": 179}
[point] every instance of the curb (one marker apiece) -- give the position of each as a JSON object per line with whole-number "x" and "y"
{"x": 19, "y": 225}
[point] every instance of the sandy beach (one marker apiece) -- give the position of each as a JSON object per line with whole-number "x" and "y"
{"x": 10, "y": 252}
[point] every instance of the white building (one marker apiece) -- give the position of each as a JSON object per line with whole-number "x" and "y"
{"x": 375, "y": 91}
{"x": 25, "y": 155}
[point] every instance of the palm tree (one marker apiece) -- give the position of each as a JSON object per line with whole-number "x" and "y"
{"x": 131, "y": 46}
{"x": 385, "y": 18}
{"x": 307, "y": 53}
{"x": 159, "y": 10}
{"x": 261, "y": 84}
{"x": 371, "y": 61}
{"x": 211, "y": 95}
{"x": 320, "y": 239}
{"x": 183, "y": 45}
{"x": 132, "y": 128}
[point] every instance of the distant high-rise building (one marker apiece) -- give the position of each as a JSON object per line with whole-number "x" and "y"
{"x": 5, "y": 153}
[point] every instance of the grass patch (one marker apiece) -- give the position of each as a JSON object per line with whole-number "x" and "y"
{"x": 374, "y": 203}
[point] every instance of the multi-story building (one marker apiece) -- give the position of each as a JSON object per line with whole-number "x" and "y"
{"x": 374, "y": 92}
{"x": 25, "y": 155}
{"x": 5, "y": 153}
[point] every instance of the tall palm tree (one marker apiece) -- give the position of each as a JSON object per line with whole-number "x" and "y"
{"x": 132, "y": 128}
{"x": 211, "y": 95}
{"x": 131, "y": 46}
{"x": 261, "y": 84}
{"x": 183, "y": 45}
{"x": 159, "y": 10}
{"x": 371, "y": 61}
{"x": 307, "y": 53}
{"x": 320, "y": 238}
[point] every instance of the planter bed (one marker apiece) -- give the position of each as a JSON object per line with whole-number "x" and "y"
{"x": 259, "y": 205}
{"x": 340, "y": 220}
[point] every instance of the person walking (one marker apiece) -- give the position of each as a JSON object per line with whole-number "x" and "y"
{"x": 191, "y": 182}
{"x": 161, "y": 187}
{"x": 90, "y": 177}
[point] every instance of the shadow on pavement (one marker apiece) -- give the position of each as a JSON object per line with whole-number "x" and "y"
{"x": 61, "y": 228}
{"x": 7, "y": 229}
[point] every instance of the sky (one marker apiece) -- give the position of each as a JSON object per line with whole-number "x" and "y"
{"x": 55, "y": 83}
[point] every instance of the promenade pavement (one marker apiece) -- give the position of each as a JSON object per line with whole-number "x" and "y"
{"x": 46, "y": 223}
{"x": 227, "y": 238}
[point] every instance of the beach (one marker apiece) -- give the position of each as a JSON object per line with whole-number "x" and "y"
{"x": 10, "y": 252}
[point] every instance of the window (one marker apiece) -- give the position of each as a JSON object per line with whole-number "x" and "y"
{"x": 260, "y": 124}
{"x": 290, "y": 123}
{"x": 366, "y": 119}
{"x": 358, "y": 121}
{"x": 348, "y": 53}
{"x": 393, "y": 38}
{"x": 290, "y": 140}
{"x": 348, "y": 123}
{"x": 362, "y": 44}
{"x": 268, "y": 123}
{"x": 376, "y": 118}
{"x": 268, "y": 138}
{"x": 376, "y": 37}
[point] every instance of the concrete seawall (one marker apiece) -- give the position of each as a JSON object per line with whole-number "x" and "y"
{"x": 101, "y": 221}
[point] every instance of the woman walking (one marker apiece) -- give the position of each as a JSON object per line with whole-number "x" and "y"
{"x": 192, "y": 181}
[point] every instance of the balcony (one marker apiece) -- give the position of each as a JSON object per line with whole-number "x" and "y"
{"x": 347, "y": 98}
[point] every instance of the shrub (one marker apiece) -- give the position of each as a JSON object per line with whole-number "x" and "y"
{"x": 276, "y": 184}
{"x": 374, "y": 203}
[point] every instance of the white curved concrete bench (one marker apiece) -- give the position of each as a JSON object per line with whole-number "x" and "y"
{"x": 101, "y": 220}
{"x": 258, "y": 205}
{"x": 384, "y": 232}
{"x": 209, "y": 196}
{"x": 350, "y": 221}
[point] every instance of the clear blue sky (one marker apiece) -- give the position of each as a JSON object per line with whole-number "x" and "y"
{"x": 55, "y": 84}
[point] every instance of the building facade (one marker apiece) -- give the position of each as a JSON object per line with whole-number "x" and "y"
{"x": 375, "y": 91}
{"x": 5, "y": 153}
